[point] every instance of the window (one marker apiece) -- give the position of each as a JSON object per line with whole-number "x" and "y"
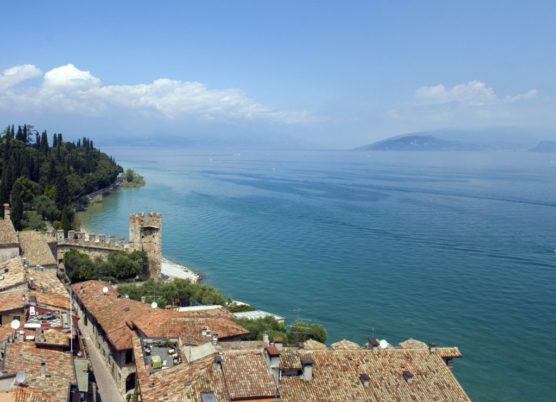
{"x": 128, "y": 356}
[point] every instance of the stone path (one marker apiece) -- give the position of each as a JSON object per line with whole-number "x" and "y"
{"x": 106, "y": 385}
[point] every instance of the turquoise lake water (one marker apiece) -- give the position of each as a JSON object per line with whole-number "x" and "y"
{"x": 455, "y": 248}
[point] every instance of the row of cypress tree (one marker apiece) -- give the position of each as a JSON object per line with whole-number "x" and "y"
{"x": 42, "y": 179}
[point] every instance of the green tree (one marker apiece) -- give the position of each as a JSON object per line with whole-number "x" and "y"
{"x": 78, "y": 266}
{"x": 17, "y": 205}
{"x": 258, "y": 327}
{"x": 129, "y": 175}
{"x": 66, "y": 218}
{"x": 300, "y": 331}
{"x": 46, "y": 207}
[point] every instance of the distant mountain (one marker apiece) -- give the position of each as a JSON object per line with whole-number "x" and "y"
{"x": 477, "y": 139}
{"x": 419, "y": 142}
{"x": 545, "y": 146}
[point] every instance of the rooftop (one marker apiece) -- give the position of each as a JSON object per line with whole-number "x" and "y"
{"x": 46, "y": 281}
{"x": 354, "y": 374}
{"x": 52, "y": 300}
{"x": 117, "y": 314}
{"x": 57, "y": 366}
{"x": 34, "y": 246}
{"x": 11, "y": 274}
{"x": 8, "y": 235}
{"x": 12, "y": 301}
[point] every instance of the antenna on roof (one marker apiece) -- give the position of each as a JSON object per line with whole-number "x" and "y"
{"x": 154, "y": 304}
{"x": 105, "y": 290}
{"x": 15, "y": 324}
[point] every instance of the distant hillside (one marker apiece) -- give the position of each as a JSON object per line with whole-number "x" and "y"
{"x": 476, "y": 139}
{"x": 545, "y": 146}
{"x": 415, "y": 142}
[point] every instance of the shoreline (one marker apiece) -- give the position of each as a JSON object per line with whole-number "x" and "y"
{"x": 169, "y": 268}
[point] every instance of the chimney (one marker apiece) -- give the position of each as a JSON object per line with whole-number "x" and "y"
{"x": 279, "y": 343}
{"x": 408, "y": 376}
{"x": 372, "y": 343}
{"x": 265, "y": 338}
{"x": 273, "y": 359}
{"x": 432, "y": 347}
{"x": 217, "y": 362}
{"x": 364, "y": 379}
{"x": 6, "y": 211}
{"x": 43, "y": 369}
{"x": 307, "y": 365}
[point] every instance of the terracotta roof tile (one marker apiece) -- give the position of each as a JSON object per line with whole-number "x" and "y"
{"x": 452, "y": 352}
{"x": 52, "y": 300}
{"x": 25, "y": 356}
{"x": 46, "y": 281}
{"x": 336, "y": 377}
{"x": 13, "y": 274}
{"x": 413, "y": 344}
{"x": 8, "y": 235}
{"x": 247, "y": 375}
{"x": 313, "y": 345}
{"x": 114, "y": 313}
{"x": 344, "y": 344}
{"x": 34, "y": 246}
{"x": 13, "y": 301}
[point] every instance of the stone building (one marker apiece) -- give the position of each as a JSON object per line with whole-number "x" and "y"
{"x": 111, "y": 320}
{"x": 9, "y": 242}
{"x": 145, "y": 235}
{"x": 312, "y": 372}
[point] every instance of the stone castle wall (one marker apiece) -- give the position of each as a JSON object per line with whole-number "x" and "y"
{"x": 144, "y": 235}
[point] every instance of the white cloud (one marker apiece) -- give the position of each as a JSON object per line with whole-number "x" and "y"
{"x": 472, "y": 93}
{"x": 69, "y": 77}
{"x": 473, "y": 103}
{"x": 67, "y": 89}
{"x": 14, "y": 75}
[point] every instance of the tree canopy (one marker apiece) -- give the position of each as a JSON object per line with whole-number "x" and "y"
{"x": 177, "y": 292}
{"x": 47, "y": 179}
{"x": 118, "y": 266}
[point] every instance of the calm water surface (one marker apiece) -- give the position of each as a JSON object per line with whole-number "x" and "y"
{"x": 455, "y": 248}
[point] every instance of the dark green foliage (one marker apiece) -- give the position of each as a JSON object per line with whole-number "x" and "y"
{"x": 132, "y": 179}
{"x": 119, "y": 266}
{"x": 79, "y": 267}
{"x": 300, "y": 331}
{"x": 48, "y": 180}
{"x": 32, "y": 220}
{"x": 177, "y": 292}
{"x": 258, "y": 327}
{"x": 239, "y": 308}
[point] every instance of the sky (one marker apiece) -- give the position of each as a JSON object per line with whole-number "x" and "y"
{"x": 324, "y": 74}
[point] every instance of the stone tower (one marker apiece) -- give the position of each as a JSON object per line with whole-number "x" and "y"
{"x": 145, "y": 235}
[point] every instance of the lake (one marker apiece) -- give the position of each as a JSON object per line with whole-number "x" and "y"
{"x": 458, "y": 248}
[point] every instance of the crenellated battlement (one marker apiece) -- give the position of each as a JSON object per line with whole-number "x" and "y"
{"x": 82, "y": 239}
{"x": 144, "y": 235}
